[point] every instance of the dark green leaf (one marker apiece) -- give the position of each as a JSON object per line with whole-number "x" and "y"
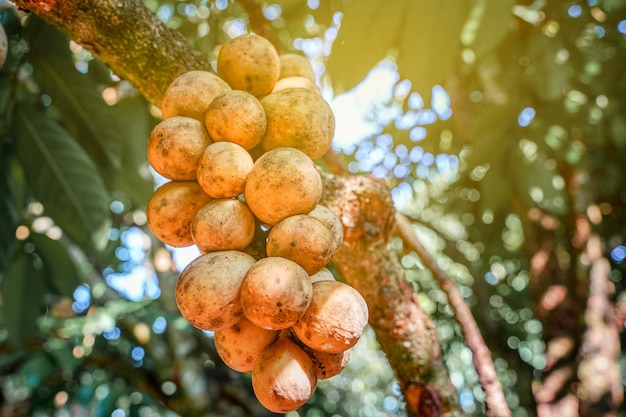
{"x": 23, "y": 288}
{"x": 61, "y": 269}
{"x": 36, "y": 370}
{"x": 63, "y": 178}
{"x": 8, "y": 211}
{"x": 487, "y": 25}
{"x": 85, "y": 114}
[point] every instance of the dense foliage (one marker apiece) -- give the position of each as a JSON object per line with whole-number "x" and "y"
{"x": 500, "y": 130}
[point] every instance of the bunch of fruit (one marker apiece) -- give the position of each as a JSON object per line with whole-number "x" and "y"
{"x": 239, "y": 148}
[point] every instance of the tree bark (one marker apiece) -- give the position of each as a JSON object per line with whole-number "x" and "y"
{"x": 141, "y": 49}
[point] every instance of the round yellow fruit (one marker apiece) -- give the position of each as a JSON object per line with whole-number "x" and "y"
{"x": 275, "y": 293}
{"x": 223, "y": 224}
{"x": 284, "y": 377}
{"x": 302, "y": 239}
{"x": 282, "y": 182}
{"x": 295, "y": 65}
{"x": 171, "y": 209}
{"x": 250, "y": 63}
{"x": 240, "y": 345}
{"x": 223, "y": 169}
{"x": 236, "y": 116}
{"x": 175, "y": 147}
{"x": 335, "y": 320}
{"x": 330, "y": 219}
{"x": 191, "y": 93}
{"x": 207, "y": 290}
{"x": 298, "y": 118}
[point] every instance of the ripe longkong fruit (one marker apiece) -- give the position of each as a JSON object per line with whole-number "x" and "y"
{"x": 284, "y": 377}
{"x": 240, "y": 345}
{"x": 282, "y": 182}
{"x": 298, "y": 118}
{"x": 223, "y": 224}
{"x": 302, "y": 239}
{"x": 171, "y": 209}
{"x": 175, "y": 147}
{"x": 275, "y": 293}
{"x": 223, "y": 169}
{"x": 295, "y": 65}
{"x": 236, "y": 116}
{"x": 332, "y": 221}
{"x": 191, "y": 93}
{"x": 335, "y": 320}
{"x": 207, "y": 290}
{"x": 249, "y": 62}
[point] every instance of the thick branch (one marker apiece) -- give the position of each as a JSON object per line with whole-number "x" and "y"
{"x": 404, "y": 330}
{"x": 125, "y": 35}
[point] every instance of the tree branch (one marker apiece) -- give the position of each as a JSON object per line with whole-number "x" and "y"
{"x": 125, "y": 35}
{"x": 494, "y": 396}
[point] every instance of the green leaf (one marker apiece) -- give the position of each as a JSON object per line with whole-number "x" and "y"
{"x": 61, "y": 269}
{"x": 539, "y": 185}
{"x": 9, "y": 218}
{"x": 369, "y": 29}
{"x": 63, "y": 178}
{"x": 77, "y": 96}
{"x": 549, "y": 78}
{"x": 36, "y": 370}
{"x": 487, "y": 25}
{"x": 23, "y": 288}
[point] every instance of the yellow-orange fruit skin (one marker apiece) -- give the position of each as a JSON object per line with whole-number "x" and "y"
{"x": 322, "y": 275}
{"x": 302, "y": 239}
{"x": 298, "y": 118}
{"x": 284, "y": 377}
{"x": 275, "y": 293}
{"x": 236, "y": 116}
{"x": 191, "y": 93}
{"x": 330, "y": 219}
{"x": 223, "y": 169}
{"x": 328, "y": 364}
{"x": 296, "y": 82}
{"x": 223, "y": 224}
{"x": 282, "y": 182}
{"x": 207, "y": 290}
{"x": 335, "y": 320}
{"x": 240, "y": 345}
{"x": 171, "y": 209}
{"x": 250, "y": 63}
{"x": 175, "y": 146}
{"x": 295, "y": 65}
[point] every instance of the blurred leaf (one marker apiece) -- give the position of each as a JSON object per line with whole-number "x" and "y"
{"x": 487, "y": 25}
{"x": 23, "y": 288}
{"x": 36, "y": 370}
{"x": 429, "y": 42}
{"x": 369, "y": 29}
{"x": 548, "y": 78}
{"x": 61, "y": 269}
{"x": 63, "y": 178}
{"x": 537, "y": 185}
{"x": 496, "y": 188}
{"x": 9, "y": 218}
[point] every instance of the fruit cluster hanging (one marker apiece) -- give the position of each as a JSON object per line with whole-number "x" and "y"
{"x": 238, "y": 148}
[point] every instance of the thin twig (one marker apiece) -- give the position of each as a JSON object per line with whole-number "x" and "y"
{"x": 494, "y": 395}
